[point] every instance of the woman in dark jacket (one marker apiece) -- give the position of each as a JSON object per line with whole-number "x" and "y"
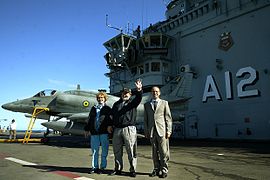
{"x": 99, "y": 117}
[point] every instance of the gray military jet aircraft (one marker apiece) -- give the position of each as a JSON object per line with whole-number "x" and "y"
{"x": 73, "y": 107}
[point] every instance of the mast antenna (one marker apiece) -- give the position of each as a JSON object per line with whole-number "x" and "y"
{"x": 166, "y": 2}
{"x": 110, "y": 26}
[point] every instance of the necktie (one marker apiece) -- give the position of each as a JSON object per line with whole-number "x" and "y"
{"x": 155, "y": 105}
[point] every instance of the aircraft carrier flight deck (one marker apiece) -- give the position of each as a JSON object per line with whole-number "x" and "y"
{"x": 67, "y": 157}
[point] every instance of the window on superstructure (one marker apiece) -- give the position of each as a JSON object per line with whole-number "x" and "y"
{"x": 155, "y": 41}
{"x": 134, "y": 71}
{"x": 126, "y": 40}
{"x": 113, "y": 45}
{"x": 146, "y": 40}
{"x": 164, "y": 41}
{"x": 155, "y": 66}
{"x": 165, "y": 67}
{"x": 147, "y": 67}
{"x": 141, "y": 70}
{"x": 119, "y": 41}
{"x": 141, "y": 44}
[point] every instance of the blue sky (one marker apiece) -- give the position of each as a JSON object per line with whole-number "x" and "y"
{"x": 57, "y": 44}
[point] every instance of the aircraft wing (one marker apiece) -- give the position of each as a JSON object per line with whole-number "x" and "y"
{"x": 74, "y": 125}
{"x": 76, "y": 117}
{"x": 79, "y": 117}
{"x": 40, "y": 116}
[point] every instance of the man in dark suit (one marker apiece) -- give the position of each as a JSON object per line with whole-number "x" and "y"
{"x": 158, "y": 127}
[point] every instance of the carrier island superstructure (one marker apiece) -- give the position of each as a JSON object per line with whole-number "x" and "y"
{"x": 211, "y": 59}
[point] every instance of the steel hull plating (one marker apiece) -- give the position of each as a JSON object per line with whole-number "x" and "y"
{"x": 224, "y": 46}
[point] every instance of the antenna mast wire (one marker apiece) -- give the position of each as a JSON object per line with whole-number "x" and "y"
{"x": 110, "y": 26}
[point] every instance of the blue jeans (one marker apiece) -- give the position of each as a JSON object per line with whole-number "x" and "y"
{"x": 96, "y": 141}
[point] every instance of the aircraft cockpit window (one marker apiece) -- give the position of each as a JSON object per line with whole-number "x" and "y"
{"x": 69, "y": 92}
{"x": 53, "y": 92}
{"x": 48, "y": 92}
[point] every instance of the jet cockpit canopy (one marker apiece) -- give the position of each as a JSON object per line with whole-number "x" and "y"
{"x": 47, "y": 92}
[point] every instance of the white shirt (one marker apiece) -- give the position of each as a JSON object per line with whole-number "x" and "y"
{"x": 13, "y": 126}
{"x": 153, "y": 102}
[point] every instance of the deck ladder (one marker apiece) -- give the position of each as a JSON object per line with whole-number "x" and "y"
{"x": 28, "y": 132}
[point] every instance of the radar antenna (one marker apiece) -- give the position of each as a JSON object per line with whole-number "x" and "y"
{"x": 110, "y": 26}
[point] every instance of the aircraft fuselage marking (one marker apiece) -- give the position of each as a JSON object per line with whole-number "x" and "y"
{"x": 85, "y": 103}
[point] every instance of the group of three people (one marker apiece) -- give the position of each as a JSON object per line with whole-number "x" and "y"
{"x": 120, "y": 120}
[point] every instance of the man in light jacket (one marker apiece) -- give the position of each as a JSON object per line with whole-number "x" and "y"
{"x": 158, "y": 127}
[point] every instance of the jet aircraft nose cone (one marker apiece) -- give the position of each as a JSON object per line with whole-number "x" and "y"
{"x": 7, "y": 106}
{"x": 18, "y": 106}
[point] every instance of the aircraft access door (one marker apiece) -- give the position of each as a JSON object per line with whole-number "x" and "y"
{"x": 192, "y": 126}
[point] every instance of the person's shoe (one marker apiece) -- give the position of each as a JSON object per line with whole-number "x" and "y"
{"x": 132, "y": 174}
{"x": 115, "y": 172}
{"x": 98, "y": 171}
{"x": 92, "y": 171}
{"x": 163, "y": 175}
{"x": 154, "y": 173}
{"x": 102, "y": 171}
